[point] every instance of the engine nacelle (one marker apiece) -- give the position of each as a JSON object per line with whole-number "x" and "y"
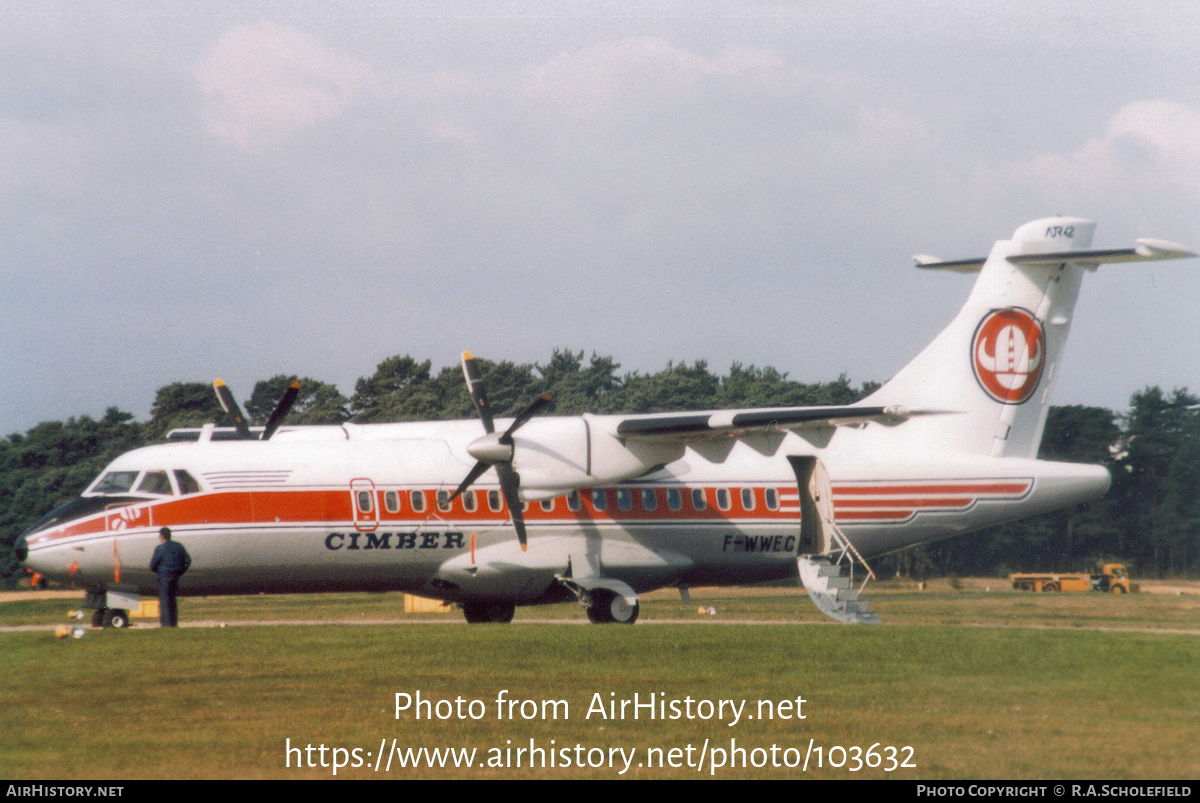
{"x": 554, "y": 455}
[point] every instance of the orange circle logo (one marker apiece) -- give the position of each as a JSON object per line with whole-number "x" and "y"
{"x": 1008, "y": 354}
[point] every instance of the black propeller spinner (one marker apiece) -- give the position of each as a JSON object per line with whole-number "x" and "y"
{"x": 496, "y": 451}
{"x": 230, "y": 405}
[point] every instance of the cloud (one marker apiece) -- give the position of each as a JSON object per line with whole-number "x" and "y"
{"x": 588, "y": 82}
{"x": 266, "y": 81}
{"x": 1147, "y": 141}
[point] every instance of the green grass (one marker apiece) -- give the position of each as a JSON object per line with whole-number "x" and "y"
{"x": 973, "y": 702}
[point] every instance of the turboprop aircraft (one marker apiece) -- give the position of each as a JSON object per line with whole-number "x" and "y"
{"x": 495, "y": 513}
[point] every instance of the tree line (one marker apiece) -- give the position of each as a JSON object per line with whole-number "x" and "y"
{"x": 1150, "y": 518}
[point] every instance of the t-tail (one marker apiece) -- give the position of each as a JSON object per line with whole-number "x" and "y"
{"x": 992, "y": 370}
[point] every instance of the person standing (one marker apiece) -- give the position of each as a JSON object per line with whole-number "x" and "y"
{"x": 170, "y": 561}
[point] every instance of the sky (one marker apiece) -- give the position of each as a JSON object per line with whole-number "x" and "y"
{"x": 239, "y": 190}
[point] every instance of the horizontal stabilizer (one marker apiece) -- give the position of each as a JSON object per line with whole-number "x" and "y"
{"x": 1147, "y": 250}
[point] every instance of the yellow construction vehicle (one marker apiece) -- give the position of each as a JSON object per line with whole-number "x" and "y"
{"x": 1112, "y": 578}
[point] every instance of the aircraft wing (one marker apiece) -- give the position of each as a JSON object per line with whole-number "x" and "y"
{"x": 709, "y": 425}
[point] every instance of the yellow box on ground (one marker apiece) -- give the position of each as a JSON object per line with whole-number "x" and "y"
{"x": 146, "y": 609}
{"x": 415, "y": 604}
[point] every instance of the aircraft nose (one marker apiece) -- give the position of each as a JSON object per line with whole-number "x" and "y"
{"x": 21, "y": 548}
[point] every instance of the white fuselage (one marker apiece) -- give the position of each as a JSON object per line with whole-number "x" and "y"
{"x": 357, "y": 508}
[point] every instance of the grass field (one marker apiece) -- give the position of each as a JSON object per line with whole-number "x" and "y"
{"x": 1046, "y": 686}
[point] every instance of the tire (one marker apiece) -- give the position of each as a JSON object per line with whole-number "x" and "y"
{"x": 1118, "y": 590}
{"x": 622, "y": 612}
{"x": 1050, "y": 588}
{"x": 478, "y": 613}
{"x": 118, "y": 618}
{"x": 608, "y": 607}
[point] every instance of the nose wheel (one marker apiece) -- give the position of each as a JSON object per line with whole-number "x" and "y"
{"x": 111, "y": 617}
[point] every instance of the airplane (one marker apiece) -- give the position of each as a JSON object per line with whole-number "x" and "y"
{"x": 495, "y": 513}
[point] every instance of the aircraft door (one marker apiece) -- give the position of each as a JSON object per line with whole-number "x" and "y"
{"x": 816, "y": 505}
{"x": 364, "y": 504}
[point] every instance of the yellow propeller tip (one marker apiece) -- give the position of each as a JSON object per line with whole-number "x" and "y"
{"x": 524, "y": 547}
{"x": 468, "y": 355}
{"x": 220, "y": 383}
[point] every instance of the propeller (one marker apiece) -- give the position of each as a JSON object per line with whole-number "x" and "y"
{"x": 496, "y": 451}
{"x": 230, "y": 406}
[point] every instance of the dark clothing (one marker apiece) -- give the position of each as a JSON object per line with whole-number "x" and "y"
{"x": 168, "y": 609}
{"x": 170, "y": 558}
{"x": 170, "y": 561}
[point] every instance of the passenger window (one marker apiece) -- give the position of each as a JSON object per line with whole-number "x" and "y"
{"x": 364, "y": 501}
{"x": 698, "y": 500}
{"x": 748, "y": 498}
{"x": 391, "y": 501}
{"x": 624, "y": 499}
{"x": 548, "y": 505}
{"x": 674, "y": 499}
{"x": 599, "y": 498}
{"x": 495, "y": 501}
{"x": 649, "y": 499}
{"x": 470, "y": 502}
{"x": 187, "y": 484}
{"x": 156, "y": 482}
{"x": 723, "y": 499}
{"x": 574, "y": 503}
{"x": 418, "y": 501}
{"x": 443, "y": 501}
{"x": 772, "y": 499}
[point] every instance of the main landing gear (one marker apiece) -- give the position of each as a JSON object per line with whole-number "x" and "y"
{"x": 483, "y": 612}
{"x": 606, "y": 600}
{"x": 605, "y": 607}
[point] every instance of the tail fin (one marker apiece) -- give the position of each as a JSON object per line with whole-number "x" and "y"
{"x": 995, "y": 364}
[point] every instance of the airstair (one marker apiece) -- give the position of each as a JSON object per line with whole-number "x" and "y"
{"x": 831, "y": 583}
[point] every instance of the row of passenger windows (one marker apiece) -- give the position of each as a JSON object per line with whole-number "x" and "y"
{"x": 648, "y": 498}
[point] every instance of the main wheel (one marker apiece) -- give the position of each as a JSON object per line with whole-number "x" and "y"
{"x": 607, "y": 606}
{"x": 1049, "y": 588}
{"x": 482, "y": 612}
{"x": 1117, "y": 589}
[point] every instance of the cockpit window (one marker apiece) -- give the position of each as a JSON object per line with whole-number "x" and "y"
{"x": 115, "y": 482}
{"x": 187, "y": 483}
{"x": 155, "y": 482}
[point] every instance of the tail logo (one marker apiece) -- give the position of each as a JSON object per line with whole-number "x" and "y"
{"x": 1007, "y": 354}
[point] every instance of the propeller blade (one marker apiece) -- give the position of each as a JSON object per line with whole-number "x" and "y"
{"x": 476, "y": 389}
{"x": 475, "y": 474}
{"x": 285, "y": 403}
{"x": 524, "y": 416}
{"x": 510, "y": 481}
{"x": 230, "y": 406}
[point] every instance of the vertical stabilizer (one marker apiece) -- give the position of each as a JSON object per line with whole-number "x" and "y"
{"x": 995, "y": 364}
